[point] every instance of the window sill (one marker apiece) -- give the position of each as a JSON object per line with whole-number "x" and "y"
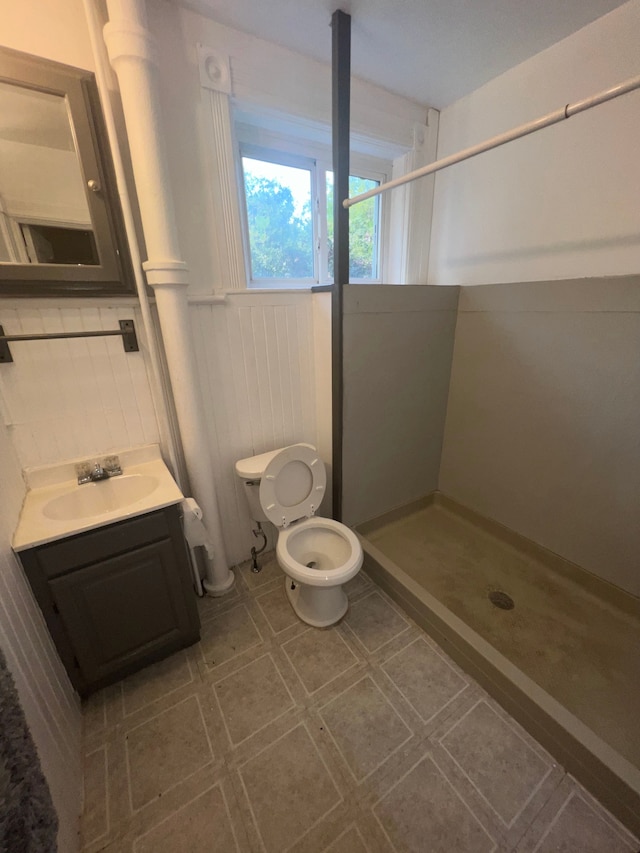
{"x": 251, "y": 291}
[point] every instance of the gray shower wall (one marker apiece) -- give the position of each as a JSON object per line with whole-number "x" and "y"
{"x": 398, "y": 345}
{"x": 543, "y": 422}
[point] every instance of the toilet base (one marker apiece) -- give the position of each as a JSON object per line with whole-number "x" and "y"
{"x": 315, "y": 605}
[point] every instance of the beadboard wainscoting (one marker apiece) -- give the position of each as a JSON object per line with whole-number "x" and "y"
{"x": 51, "y": 707}
{"x": 255, "y": 361}
{"x": 67, "y": 398}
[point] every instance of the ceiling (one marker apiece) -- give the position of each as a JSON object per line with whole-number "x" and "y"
{"x": 434, "y": 51}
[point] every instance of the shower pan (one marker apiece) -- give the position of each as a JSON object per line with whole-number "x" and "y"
{"x": 557, "y": 647}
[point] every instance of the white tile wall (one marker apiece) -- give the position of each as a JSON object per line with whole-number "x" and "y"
{"x": 67, "y": 398}
{"x": 255, "y": 361}
{"x": 51, "y": 706}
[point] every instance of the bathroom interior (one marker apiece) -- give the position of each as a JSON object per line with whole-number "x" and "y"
{"x": 472, "y": 402}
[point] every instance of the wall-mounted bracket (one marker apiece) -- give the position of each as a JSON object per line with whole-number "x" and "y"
{"x": 127, "y": 332}
{"x": 129, "y": 337}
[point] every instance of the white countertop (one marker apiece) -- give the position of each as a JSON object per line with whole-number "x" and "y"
{"x": 46, "y": 485}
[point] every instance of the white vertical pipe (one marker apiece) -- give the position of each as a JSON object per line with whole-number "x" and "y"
{"x": 161, "y": 404}
{"x": 132, "y": 53}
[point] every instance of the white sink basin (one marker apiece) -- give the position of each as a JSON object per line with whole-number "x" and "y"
{"x": 92, "y": 499}
{"x": 55, "y": 506}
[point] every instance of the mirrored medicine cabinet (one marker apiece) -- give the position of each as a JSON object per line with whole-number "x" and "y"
{"x": 61, "y": 228}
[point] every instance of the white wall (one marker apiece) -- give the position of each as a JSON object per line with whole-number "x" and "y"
{"x": 543, "y": 423}
{"x": 68, "y": 398}
{"x": 255, "y": 361}
{"x": 60, "y": 34}
{"x": 398, "y": 343}
{"x": 51, "y": 707}
{"x": 562, "y": 203}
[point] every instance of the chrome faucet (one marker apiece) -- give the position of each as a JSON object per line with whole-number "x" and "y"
{"x": 93, "y": 472}
{"x": 98, "y": 473}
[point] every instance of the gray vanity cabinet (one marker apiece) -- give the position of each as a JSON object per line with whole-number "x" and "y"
{"x": 116, "y": 598}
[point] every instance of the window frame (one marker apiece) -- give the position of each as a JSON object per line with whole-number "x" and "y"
{"x": 260, "y": 143}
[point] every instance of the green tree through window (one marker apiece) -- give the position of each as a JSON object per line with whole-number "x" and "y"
{"x": 281, "y": 240}
{"x": 363, "y": 221}
{"x": 281, "y": 225}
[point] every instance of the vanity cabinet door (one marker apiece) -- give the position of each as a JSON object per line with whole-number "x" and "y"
{"x": 125, "y": 611}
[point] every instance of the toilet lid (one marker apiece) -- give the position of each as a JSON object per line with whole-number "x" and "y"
{"x": 292, "y": 485}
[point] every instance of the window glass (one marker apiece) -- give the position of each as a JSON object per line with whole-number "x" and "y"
{"x": 363, "y": 229}
{"x": 278, "y": 199}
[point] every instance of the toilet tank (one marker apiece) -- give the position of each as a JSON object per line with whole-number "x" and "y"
{"x": 250, "y": 471}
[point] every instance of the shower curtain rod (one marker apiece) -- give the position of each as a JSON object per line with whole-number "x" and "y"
{"x": 495, "y": 141}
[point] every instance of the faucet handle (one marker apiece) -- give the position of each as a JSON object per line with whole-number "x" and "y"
{"x": 111, "y": 465}
{"x": 83, "y": 472}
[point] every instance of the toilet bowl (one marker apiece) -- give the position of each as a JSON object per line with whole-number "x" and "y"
{"x": 318, "y": 555}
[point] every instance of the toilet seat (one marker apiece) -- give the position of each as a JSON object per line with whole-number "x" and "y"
{"x": 292, "y": 485}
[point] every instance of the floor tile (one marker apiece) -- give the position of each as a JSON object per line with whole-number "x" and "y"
{"x": 228, "y": 635}
{"x": 273, "y": 737}
{"x": 356, "y": 586}
{"x": 365, "y": 727}
{"x": 350, "y": 841}
{"x": 95, "y": 818}
{"x": 425, "y": 678}
{"x": 318, "y": 657}
{"x": 155, "y": 681}
{"x": 277, "y": 610}
{"x": 252, "y": 697}
{"x": 423, "y": 812}
{"x": 94, "y": 714}
{"x": 209, "y": 605}
{"x": 502, "y": 767}
{"x": 202, "y": 826}
{"x": 374, "y": 621}
{"x": 289, "y": 790}
{"x": 165, "y": 750}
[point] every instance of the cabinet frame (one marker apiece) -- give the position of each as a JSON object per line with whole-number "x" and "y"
{"x": 65, "y": 575}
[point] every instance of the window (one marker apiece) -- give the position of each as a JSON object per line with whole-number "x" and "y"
{"x": 288, "y": 217}
{"x": 364, "y": 222}
{"x": 278, "y": 214}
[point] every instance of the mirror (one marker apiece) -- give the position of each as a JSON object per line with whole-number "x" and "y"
{"x": 60, "y": 224}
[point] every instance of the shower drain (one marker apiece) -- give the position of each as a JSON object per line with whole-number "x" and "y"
{"x": 501, "y": 599}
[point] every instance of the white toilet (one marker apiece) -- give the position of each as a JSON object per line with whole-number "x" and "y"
{"x": 318, "y": 555}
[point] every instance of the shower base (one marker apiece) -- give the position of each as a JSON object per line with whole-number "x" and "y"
{"x": 563, "y": 658}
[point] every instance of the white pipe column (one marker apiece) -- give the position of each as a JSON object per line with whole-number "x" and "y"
{"x": 132, "y": 53}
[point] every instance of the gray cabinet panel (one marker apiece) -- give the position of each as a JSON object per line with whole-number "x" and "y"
{"x": 117, "y": 598}
{"x": 123, "y": 609}
{"x": 56, "y": 558}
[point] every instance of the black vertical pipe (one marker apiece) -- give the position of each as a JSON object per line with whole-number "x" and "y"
{"x": 340, "y": 111}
